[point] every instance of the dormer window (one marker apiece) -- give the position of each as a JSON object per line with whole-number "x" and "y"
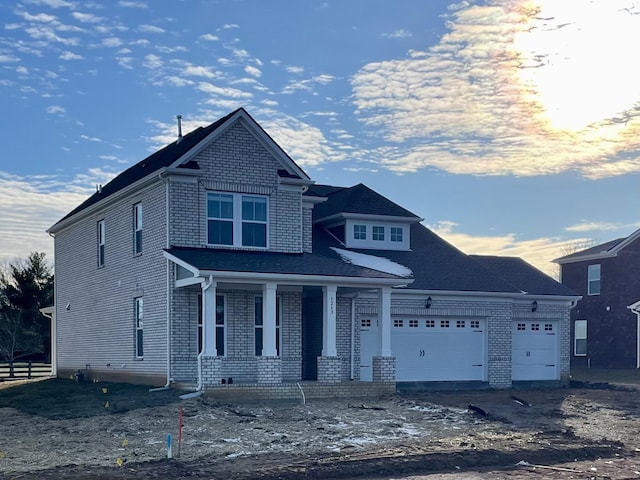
{"x": 377, "y": 233}
{"x": 360, "y": 232}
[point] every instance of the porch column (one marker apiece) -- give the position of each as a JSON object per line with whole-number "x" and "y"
{"x": 384, "y": 332}
{"x": 269, "y": 318}
{"x": 209, "y": 318}
{"x": 329, "y": 321}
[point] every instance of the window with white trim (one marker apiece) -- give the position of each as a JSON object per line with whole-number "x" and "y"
{"x": 580, "y": 338}
{"x": 237, "y": 220}
{"x": 139, "y": 324}
{"x": 101, "y": 243}
{"x": 593, "y": 274}
{"x": 259, "y": 326}
{"x": 377, "y": 233}
{"x": 221, "y": 316}
{"x": 137, "y": 229}
{"x": 396, "y": 234}
{"x": 360, "y": 232}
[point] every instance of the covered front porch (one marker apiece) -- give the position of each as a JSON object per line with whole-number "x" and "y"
{"x": 266, "y": 329}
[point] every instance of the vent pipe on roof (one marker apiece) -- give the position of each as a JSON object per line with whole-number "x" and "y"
{"x": 179, "y": 117}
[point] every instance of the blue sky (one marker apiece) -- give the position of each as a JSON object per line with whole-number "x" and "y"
{"x": 512, "y": 128}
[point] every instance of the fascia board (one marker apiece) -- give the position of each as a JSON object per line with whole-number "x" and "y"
{"x": 586, "y": 258}
{"x": 100, "y": 204}
{"x": 506, "y": 296}
{"x": 634, "y": 236}
{"x": 299, "y": 279}
{"x": 182, "y": 263}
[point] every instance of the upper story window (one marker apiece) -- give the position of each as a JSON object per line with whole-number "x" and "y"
{"x": 137, "y": 229}
{"x": 360, "y": 232}
{"x": 593, "y": 287}
{"x": 101, "y": 243}
{"x": 377, "y": 233}
{"x": 396, "y": 234}
{"x": 237, "y": 220}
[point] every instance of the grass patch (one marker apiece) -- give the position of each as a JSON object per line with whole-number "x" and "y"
{"x": 62, "y": 398}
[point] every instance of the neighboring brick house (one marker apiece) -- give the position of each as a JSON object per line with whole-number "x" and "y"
{"x": 604, "y": 328}
{"x": 217, "y": 260}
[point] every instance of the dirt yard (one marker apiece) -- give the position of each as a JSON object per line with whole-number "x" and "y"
{"x": 57, "y": 429}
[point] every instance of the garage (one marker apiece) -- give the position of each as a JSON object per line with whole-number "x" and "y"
{"x": 430, "y": 349}
{"x": 535, "y": 350}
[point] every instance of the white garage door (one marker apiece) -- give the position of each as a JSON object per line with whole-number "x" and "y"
{"x": 535, "y": 350}
{"x": 430, "y": 349}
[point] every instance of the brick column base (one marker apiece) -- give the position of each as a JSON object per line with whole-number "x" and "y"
{"x": 269, "y": 369}
{"x": 211, "y": 371}
{"x": 329, "y": 369}
{"x": 384, "y": 369}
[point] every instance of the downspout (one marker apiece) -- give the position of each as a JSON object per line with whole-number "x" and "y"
{"x": 637, "y": 312}
{"x": 353, "y": 335}
{"x": 54, "y": 330}
{"x": 199, "y": 388}
{"x": 168, "y": 286}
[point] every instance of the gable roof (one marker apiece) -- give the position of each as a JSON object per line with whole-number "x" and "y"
{"x": 178, "y": 154}
{"x": 356, "y": 200}
{"x": 523, "y": 275}
{"x": 603, "y": 250}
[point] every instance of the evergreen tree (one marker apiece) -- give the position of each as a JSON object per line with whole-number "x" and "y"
{"x": 26, "y": 286}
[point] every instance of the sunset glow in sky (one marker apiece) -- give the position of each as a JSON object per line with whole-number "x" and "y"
{"x": 510, "y": 126}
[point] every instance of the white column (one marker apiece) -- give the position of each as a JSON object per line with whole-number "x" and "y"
{"x": 209, "y": 319}
{"x": 384, "y": 313}
{"x": 269, "y": 320}
{"x": 329, "y": 321}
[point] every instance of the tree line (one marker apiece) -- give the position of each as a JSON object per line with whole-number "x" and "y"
{"x": 26, "y": 286}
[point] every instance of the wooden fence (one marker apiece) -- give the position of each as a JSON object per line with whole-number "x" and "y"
{"x": 11, "y": 371}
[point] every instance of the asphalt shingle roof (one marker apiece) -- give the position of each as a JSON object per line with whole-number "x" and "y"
{"x": 358, "y": 199}
{"x": 523, "y": 276}
{"x": 602, "y": 248}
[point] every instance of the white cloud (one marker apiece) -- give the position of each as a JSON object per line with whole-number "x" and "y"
{"x": 152, "y": 61}
{"x": 398, "y": 34}
{"x": 52, "y": 3}
{"x": 22, "y": 70}
{"x": 585, "y": 226}
{"x": 125, "y": 62}
{"x": 86, "y": 17}
{"x": 253, "y": 71}
{"x": 200, "y": 71}
{"x": 8, "y": 59}
{"x": 90, "y": 139}
{"x": 53, "y": 109}
{"x": 209, "y": 37}
{"x": 179, "y": 81}
{"x": 294, "y": 69}
{"x": 222, "y": 91}
{"x": 508, "y": 84}
{"x": 133, "y": 4}
{"x": 67, "y": 55}
{"x": 38, "y": 17}
{"x": 151, "y": 29}
{"x": 111, "y": 42}
{"x": 228, "y": 26}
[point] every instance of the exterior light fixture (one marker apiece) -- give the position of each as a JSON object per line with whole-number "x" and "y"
{"x": 534, "y": 306}
{"x": 428, "y": 303}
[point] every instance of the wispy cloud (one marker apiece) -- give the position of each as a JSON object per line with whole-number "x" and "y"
{"x": 67, "y": 55}
{"x": 133, "y": 4}
{"x": 482, "y": 101}
{"x": 251, "y": 70}
{"x": 111, "y": 42}
{"x": 151, "y": 29}
{"x": 53, "y": 109}
{"x": 86, "y": 17}
{"x": 209, "y": 37}
{"x": 398, "y": 34}
{"x": 586, "y": 226}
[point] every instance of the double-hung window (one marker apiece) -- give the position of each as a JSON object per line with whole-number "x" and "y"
{"x": 139, "y": 323}
{"x": 396, "y": 234}
{"x": 377, "y": 233}
{"x": 593, "y": 275}
{"x": 101, "y": 242}
{"x": 237, "y": 220}
{"x": 580, "y": 338}
{"x": 137, "y": 229}
{"x": 259, "y": 326}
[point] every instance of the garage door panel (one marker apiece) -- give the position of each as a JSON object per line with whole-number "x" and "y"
{"x": 534, "y": 350}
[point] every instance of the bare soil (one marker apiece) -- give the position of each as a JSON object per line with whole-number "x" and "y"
{"x": 60, "y": 429}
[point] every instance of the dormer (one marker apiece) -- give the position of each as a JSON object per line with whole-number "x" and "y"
{"x": 362, "y": 219}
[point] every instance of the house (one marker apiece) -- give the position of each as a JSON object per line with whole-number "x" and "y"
{"x": 605, "y": 326}
{"x": 217, "y": 263}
